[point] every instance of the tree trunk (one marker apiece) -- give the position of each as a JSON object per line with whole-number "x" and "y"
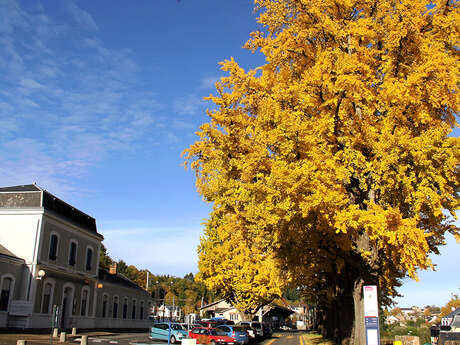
{"x": 358, "y": 335}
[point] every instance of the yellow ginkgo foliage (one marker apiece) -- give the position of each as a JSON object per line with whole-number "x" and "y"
{"x": 332, "y": 166}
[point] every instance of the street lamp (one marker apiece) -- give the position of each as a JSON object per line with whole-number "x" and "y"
{"x": 40, "y": 274}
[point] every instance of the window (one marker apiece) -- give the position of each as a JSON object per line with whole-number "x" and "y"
{"x": 141, "y": 316}
{"x": 115, "y": 307}
{"x": 74, "y": 305}
{"x": 133, "y": 311}
{"x": 84, "y": 301}
{"x": 47, "y": 290}
{"x": 89, "y": 258}
{"x": 105, "y": 300}
{"x": 72, "y": 253}
{"x": 5, "y": 293}
{"x": 125, "y": 308}
{"x": 53, "y": 247}
{"x": 235, "y": 317}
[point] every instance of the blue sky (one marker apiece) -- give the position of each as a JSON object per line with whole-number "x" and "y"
{"x": 99, "y": 98}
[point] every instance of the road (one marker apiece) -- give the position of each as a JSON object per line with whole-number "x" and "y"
{"x": 287, "y": 338}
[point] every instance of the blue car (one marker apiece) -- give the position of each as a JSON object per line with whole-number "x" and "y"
{"x": 161, "y": 331}
{"x": 238, "y": 333}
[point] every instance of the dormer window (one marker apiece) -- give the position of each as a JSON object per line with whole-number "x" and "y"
{"x": 53, "y": 247}
{"x": 89, "y": 258}
{"x": 72, "y": 253}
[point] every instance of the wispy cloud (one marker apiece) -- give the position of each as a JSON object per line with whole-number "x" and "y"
{"x": 81, "y": 17}
{"x": 189, "y": 105}
{"x": 69, "y": 108}
{"x": 208, "y": 82}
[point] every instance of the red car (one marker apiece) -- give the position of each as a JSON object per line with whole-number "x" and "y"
{"x": 210, "y": 336}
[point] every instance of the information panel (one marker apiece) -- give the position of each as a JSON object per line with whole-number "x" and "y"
{"x": 20, "y": 308}
{"x": 371, "y": 315}
{"x": 371, "y": 306}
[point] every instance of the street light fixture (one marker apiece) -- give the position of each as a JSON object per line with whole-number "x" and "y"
{"x": 40, "y": 274}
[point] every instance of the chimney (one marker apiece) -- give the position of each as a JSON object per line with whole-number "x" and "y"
{"x": 113, "y": 268}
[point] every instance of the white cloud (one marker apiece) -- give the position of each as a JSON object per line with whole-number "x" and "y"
{"x": 209, "y": 82}
{"x": 189, "y": 105}
{"x": 82, "y": 104}
{"x": 180, "y": 124}
{"x": 30, "y": 84}
{"x": 81, "y": 17}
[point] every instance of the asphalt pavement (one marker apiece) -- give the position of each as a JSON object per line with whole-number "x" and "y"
{"x": 105, "y": 338}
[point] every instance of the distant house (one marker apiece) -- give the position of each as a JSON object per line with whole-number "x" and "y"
{"x": 166, "y": 312}
{"x": 409, "y": 314}
{"x": 272, "y": 313}
{"x": 49, "y": 260}
{"x": 390, "y": 320}
{"x": 221, "y": 308}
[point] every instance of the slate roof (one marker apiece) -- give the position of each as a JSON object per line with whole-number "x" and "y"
{"x": 54, "y": 204}
{"x": 452, "y": 314}
{"x": 211, "y": 304}
{"x": 117, "y": 279}
{"x": 22, "y": 188}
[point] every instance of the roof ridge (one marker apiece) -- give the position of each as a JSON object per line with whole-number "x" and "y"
{"x": 22, "y": 188}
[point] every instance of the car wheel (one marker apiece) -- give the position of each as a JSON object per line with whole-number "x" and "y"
{"x": 213, "y": 342}
{"x": 173, "y": 339}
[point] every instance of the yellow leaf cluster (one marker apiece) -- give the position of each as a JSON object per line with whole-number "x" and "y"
{"x": 334, "y": 156}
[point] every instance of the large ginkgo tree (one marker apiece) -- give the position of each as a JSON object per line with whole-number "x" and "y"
{"x": 332, "y": 165}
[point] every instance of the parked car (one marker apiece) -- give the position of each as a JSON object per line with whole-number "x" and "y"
{"x": 252, "y": 333}
{"x": 210, "y": 336}
{"x": 161, "y": 331}
{"x": 268, "y": 332}
{"x": 256, "y": 326}
{"x": 238, "y": 333}
{"x": 208, "y": 323}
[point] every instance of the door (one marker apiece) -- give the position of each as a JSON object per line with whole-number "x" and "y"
{"x": 67, "y": 302}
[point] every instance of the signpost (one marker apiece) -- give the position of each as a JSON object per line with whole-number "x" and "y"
{"x": 54, "y": 321}
{"x": 371, "y": 315}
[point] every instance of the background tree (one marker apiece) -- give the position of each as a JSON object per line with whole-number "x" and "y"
{"x": 122, "y": 267}
{"x": 453, "y": 304}
{"x": 332, "y": 162}
{"x": 104, "y": 259}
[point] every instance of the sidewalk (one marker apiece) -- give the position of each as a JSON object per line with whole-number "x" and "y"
{"x": 44, "y": 339}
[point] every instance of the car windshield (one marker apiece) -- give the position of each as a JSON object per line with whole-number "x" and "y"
{"x": 177, "y": 327}
{"x": 213, "y": 332}
{"x": 239, "y": 329}
{"x": 256, "y": 325}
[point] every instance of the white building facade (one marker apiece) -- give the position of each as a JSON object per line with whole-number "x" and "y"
{"x": 49, "y": 256}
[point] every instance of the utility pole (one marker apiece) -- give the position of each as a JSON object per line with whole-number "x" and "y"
{"x": 147, "y": 282}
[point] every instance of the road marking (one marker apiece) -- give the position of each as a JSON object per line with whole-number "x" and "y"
{"x": 301, "y": 340}
{"x": 97, "y": 340}
{"x": 270, "y": 342}
{"x": 113, "y": 342}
